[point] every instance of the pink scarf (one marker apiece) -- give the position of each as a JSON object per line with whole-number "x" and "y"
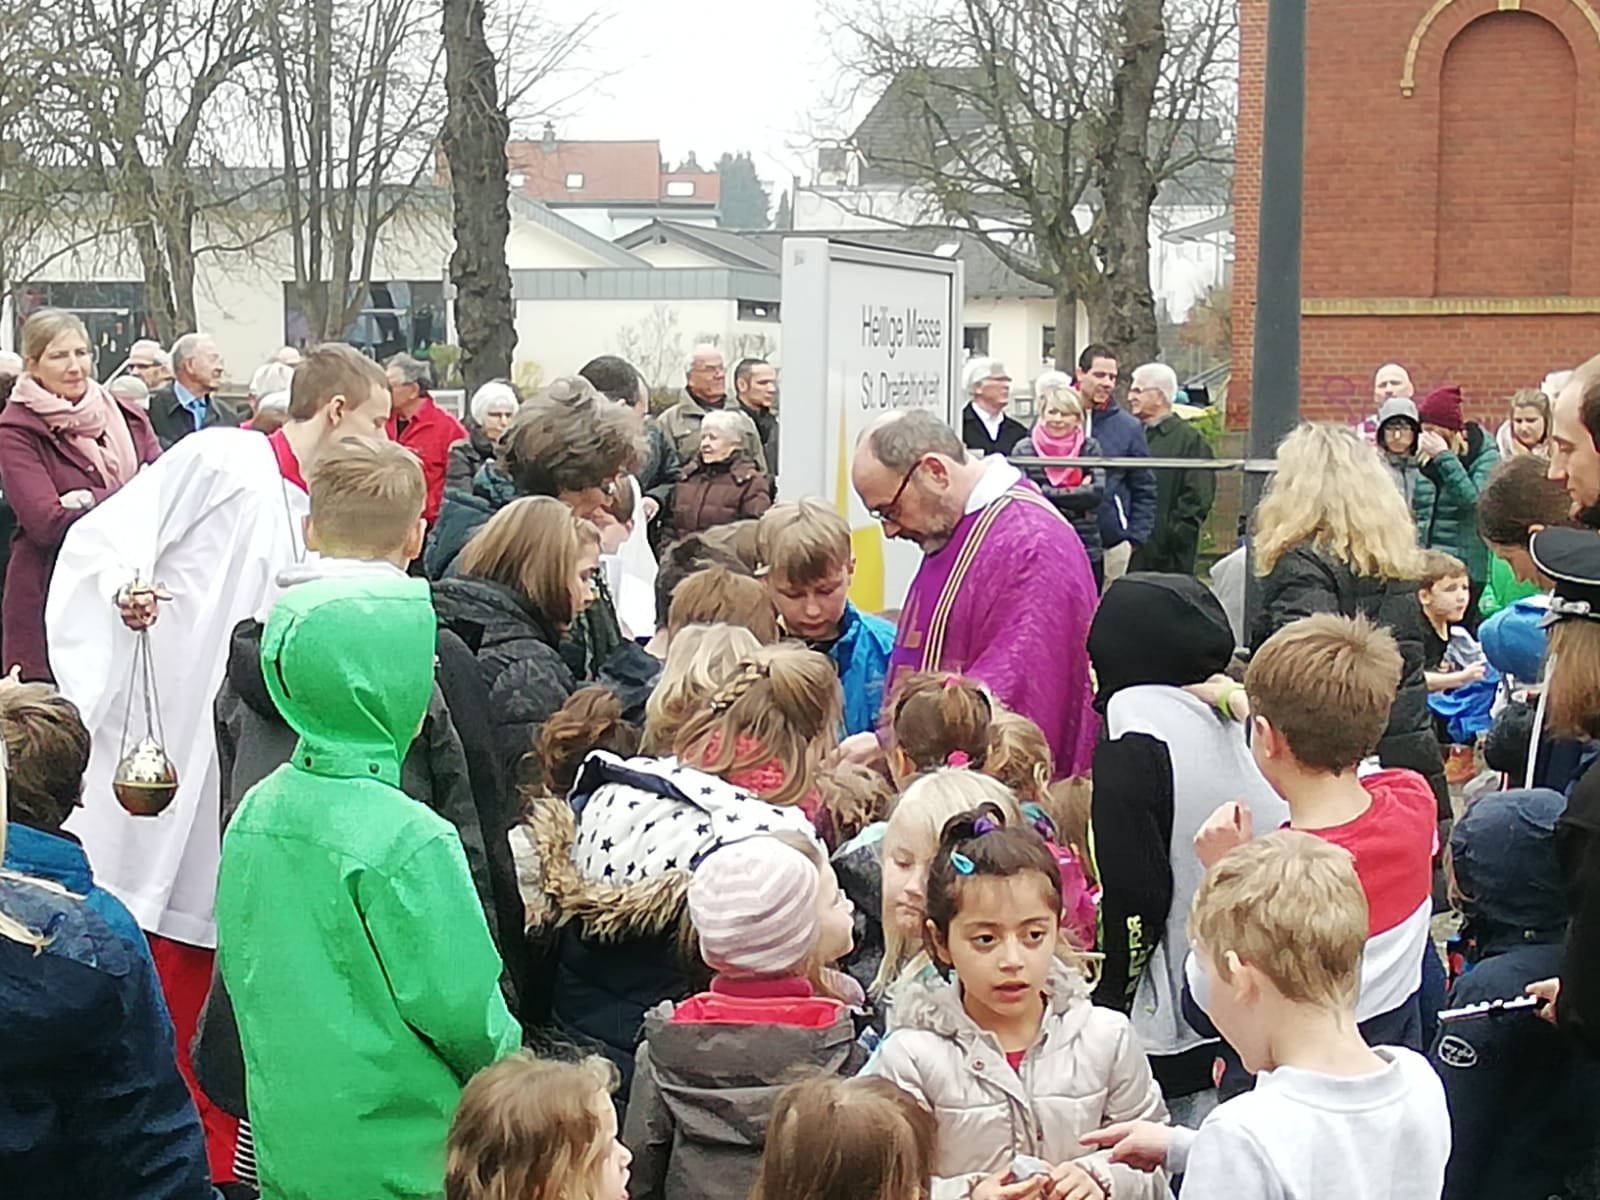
{"x": 1068, "y": 447}
{"x": 94, "y": 425}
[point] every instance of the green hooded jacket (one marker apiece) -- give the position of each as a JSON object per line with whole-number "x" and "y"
{"x": 1445, "y": 502}
{"x": 349, "y": 934}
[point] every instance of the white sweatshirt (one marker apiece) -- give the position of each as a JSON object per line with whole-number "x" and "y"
{"x": 1301, "y": 1135}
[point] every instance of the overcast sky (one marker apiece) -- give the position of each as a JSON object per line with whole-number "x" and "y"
{"x": 710, "y": 76}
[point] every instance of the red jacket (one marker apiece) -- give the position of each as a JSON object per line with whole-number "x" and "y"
{"x": 758, "y": 1002}
{"x": 429, "y": 434}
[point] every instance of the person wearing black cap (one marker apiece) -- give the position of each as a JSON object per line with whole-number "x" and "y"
{"x": 1521, "y": 1103}
{"x": 1571, "y": 558}
{"x": 1167, "y": 761}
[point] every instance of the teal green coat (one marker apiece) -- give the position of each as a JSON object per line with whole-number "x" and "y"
{"x": 1446, "y": 502}
{"x": 349, "y": 934}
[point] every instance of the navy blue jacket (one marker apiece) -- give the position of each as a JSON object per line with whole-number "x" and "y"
{"x": 1128, "y": 511}
{"x": 1522, "y": 1098}
{"x": 92, "y": 1103}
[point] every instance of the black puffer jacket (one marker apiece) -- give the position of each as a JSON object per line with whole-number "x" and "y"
{"x": 1306, "y": 581}
{"x": 517, "y": 657}
{"x": 1079, "y": 504}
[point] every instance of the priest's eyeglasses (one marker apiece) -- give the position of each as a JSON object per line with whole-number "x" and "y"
{"x": 886, "y": 513}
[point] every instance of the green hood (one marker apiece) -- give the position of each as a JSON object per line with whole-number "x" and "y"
{"x": 349, "y": 663}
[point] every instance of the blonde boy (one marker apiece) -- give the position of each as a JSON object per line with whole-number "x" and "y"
{"x": 1279, "y": 928}
{"x": 367, "y": 497}
{"x": 1320, "y": 692}
{"x": 805, "y": 556}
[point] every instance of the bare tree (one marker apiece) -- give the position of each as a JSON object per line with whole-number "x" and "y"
{"x": 476, "y": 129}
{"x": 353, "y": 94}
{"x": 1045, "y": 128}
{"x": 654, "y": 345}
{"x": 122, "y": 113}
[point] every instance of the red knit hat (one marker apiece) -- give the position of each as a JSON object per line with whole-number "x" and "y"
{"x": 1442, "y": 408}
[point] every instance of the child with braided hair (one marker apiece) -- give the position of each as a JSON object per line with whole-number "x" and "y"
{"x": 617, "y": 853}
{"x": 1007, "y": 1051}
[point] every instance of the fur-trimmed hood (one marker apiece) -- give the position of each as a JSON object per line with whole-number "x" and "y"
{"x": 606, "y": 911}
{"x": 934, "y": 1004}
{"x": 618, "y": 855}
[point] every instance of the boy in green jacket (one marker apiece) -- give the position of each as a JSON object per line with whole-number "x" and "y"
{"x": 350, "y": 937}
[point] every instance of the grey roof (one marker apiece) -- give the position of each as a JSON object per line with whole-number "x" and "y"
{"x": 647, "y": 283}
{"x": 762, "y": 250}
{"x": 893, "y": 123}
{"x": 734, "y": 248}
{"x": 543, "y": 215}
{"x": 1200, "y": 230}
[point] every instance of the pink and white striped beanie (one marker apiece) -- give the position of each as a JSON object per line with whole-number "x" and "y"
{"x": 754, "y": 906}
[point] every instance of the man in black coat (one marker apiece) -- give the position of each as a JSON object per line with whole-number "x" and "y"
{"x": 188, "y": 403}
{"x": 1183, "y": 498}
{"x": 985, "y": 428}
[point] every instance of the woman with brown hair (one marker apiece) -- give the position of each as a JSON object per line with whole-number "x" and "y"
{"x": 524, "y": 578}
{"x": 66, "y": 443}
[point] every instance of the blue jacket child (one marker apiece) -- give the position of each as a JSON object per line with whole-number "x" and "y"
{"x": 1128, "y": 511}
{"x": 91, "y": 1102}
{"x": 1521, "y": 1097}
{"x": 861, "y": 655}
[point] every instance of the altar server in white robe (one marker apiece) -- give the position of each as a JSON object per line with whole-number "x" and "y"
{"x": 212, "y": 523}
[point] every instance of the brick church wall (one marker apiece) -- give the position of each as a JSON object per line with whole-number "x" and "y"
{"x": 1455, "y": 230}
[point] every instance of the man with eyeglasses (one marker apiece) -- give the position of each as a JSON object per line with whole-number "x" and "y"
{"x": 1004, "y": 594}
{"x": 705, "y": 390}
{"x": 149, "y": 363}
{"x": 1128, "y": 509}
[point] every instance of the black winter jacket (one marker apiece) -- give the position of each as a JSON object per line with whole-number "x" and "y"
{"x": 1307, "y": 581}
{"x": 518, "y": 661}
{"x": 1080, "y": 504}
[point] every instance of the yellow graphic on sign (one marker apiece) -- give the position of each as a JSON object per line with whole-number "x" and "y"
{"x": 866, "y": 543}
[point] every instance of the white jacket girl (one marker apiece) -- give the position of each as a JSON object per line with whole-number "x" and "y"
{"x": 1083, "y": 1071}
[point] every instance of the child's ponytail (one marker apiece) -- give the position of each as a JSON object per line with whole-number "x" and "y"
{"x": 777, "y": 709}
{"x": 980, "y": 843}
{"x": 591, "y": 719}
{"x": 941, "y": 720}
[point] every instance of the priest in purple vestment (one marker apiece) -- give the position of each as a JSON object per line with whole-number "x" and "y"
{"x": 1004, "y": 594}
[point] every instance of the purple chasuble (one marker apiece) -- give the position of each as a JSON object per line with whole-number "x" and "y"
{"x": 1008, "y": 602}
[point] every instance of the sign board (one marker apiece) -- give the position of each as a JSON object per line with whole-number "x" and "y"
{"x": 865, "y": 330}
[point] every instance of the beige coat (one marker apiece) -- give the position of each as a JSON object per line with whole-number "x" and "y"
{"x": 681, "y": 423}
{"x": 1084, "y": 1071}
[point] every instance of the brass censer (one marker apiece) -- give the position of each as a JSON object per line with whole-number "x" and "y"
{"x": 145, "y": 780}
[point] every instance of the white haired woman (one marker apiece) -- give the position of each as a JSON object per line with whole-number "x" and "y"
{"x": 489, "y": 415}
{"x": 1058, "y": 432}
{"x": 722, "y": 483}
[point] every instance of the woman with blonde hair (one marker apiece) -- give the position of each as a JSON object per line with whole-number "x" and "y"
{"x": 1059, "y": 433}
{"x": 1527, "y": 429}
{"x": 66, "y": 444}
{"x": 523, "y": 579}
{"x": 1334, "y": 535}
{"x": 618, "y": 853}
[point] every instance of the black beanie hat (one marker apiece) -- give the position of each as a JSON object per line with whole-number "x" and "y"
{"x": 1160, "y": 629}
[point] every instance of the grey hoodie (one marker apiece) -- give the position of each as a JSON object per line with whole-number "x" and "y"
{"x": 1403, "y": 467}
{"x": 702, "y": 1093}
